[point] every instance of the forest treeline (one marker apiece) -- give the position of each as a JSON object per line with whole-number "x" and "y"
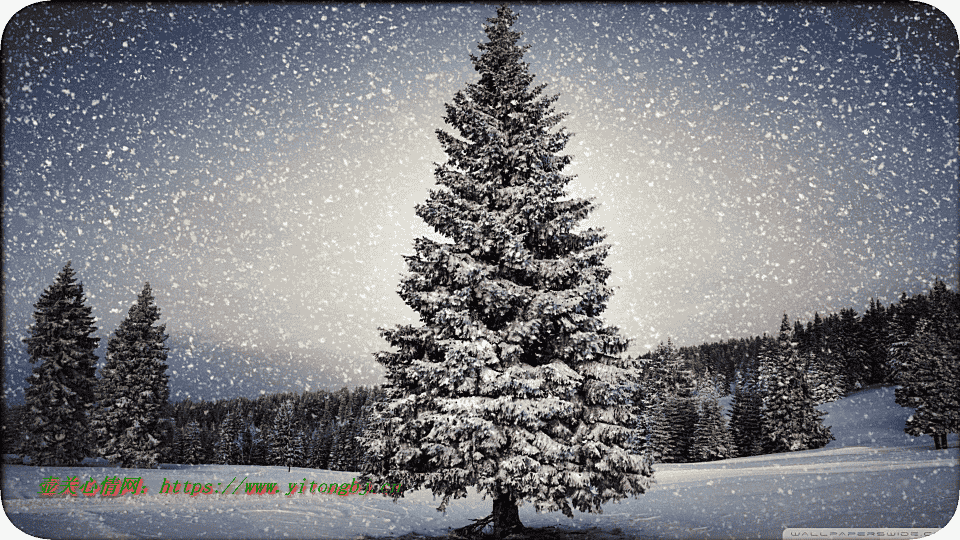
{"x": 310, "y": 429}
{"x": 851, "y": 349}
{"x": 778, "y": 380}
{"x": 912, "y": 343}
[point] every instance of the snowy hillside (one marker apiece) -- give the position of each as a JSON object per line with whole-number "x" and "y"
{"x": 872, "y": 418}
{"x": 871, "y": 476}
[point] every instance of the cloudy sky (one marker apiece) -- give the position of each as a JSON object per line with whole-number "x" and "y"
{"x": 259, "y": 166}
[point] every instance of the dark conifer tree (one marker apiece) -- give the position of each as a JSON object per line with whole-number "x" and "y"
{"x": 824, "y": 366}
{"x": 930, "y": 375}
{"x": 790, "y": 420}
{"x": 850, "y": 343}
{"x": 669, "y": 405}
{"x": 513, "y": 384}
{"x": 746, "y": 421}
{"x": 876, "y": 342}
{"x": 133, "y": 388}
{"x": 284, "y": 449}
{"x": 60, "y": 392}
{"x": 192, "y": 449}
{"x": 340, "y": 445}
{"x": 229, "y": 448}
{"x": 259, "y": 448}
{"x": 657, "y": 431}
{"x": 325, "y": 451}
{"x": 711, "y": 438}
{"x": 681, "y": 415}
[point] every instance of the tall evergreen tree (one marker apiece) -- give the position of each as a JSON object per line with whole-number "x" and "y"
{"x": 852, "y": 349}
{"x": 513, "y": 384}
{"x": 790, "y": 420}
{"x": 286, "y": 447}
{"x": 930, "y": 375}
{"x": 59, "y": 393}
{"x": 192, "y": 444}
{"x": 133, "y": 388}
{"x": 658, "y": 432}
{"x": 259, "y": 450}
{"x": 746, "y": 420}
{"x": 824, "y": 364}
{"x": 670, "y": 409}
{"x": 681, "y": 415}
{"x": 323, "y": 437}
{"x": 876, "y": 342}
{"x": 711, "y": 438}
{"x": 340, "y": 445}
{"x": 229, "y": 449}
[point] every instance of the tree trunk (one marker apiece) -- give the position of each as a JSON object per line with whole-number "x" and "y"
{"x": 940, "y": 440}
{"x": 506, "y": 516}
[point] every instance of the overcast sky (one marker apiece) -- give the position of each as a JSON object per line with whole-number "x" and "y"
{"x": 259, "y": 166}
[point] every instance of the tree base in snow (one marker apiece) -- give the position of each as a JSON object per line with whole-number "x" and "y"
{"x": 544, "y": 533}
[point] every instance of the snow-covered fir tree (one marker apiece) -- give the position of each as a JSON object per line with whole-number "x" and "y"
{"x": 284, "y": 437}
{"x": 658, "y": 433}
{"x": 671, "y": 411}
{"x": 711, "y": 438}
{"x": 681, "y": 418}
{"x": 60, "y": 391}
{"x": 852, "y": 349}
{"x": 296, "y": 454}
{"x": 680, "y": 413}
{"x": 192, "y": 444}
{"x": 229, "y": 449}
{"x": 902, "y": 326}
{"x": 930, "y": 375}
{"x": 513, "y": 384}
{"x": 876, "y": 339}
{"x": 790, "y": 420}
{"x": 746, "y": 421}
{"x": 339, "y": 446}
{"x": 133, "y": 388}
{"x": 824, "y": 366}
{"x": 314, "y": 445}
{"x": 323, "y": 445}
{"x": 259, "y": 449}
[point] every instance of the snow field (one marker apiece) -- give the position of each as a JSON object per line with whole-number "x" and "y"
{"x": 872, "y": 476}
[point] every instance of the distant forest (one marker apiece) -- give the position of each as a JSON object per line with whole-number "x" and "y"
{"x": 866, "y": 349}
{"x": 838, "y": 352}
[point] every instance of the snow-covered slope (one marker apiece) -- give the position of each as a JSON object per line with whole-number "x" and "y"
{"x": 873, "y": 475}
{"x": 871, "y": 417}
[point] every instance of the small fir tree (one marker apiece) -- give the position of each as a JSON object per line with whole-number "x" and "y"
{"x": 60, "y": 391}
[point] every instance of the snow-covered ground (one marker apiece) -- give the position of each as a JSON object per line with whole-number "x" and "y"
{"x": 873, "y": 475}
